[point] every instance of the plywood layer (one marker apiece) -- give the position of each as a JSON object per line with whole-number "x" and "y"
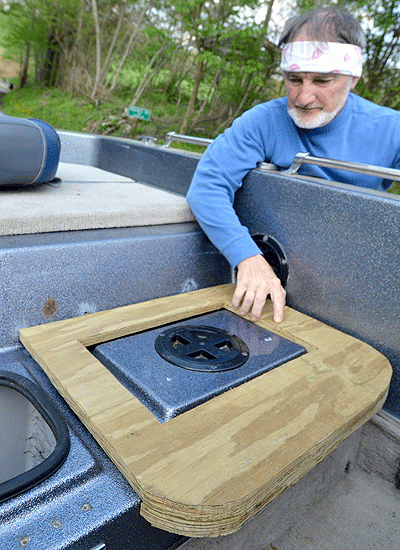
{"x": 207, "y": 471}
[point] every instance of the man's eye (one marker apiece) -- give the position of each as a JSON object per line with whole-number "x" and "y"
{"x": 320, "y": 81}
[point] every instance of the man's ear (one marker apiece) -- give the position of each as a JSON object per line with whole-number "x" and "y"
{"x": 354, "y": 82}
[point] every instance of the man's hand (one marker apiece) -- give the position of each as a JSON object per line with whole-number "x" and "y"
{"x": 255, "y": 280}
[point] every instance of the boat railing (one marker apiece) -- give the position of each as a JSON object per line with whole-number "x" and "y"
{"x": 173, "y": 136}
{"x": 205, "y": 142}
{"x": 367, "y": 169}
{"x": 299, "y": 160}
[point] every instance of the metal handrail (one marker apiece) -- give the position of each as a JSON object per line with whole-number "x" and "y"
{"x": 367, "y": 169}
{"x": 299, "y": 160}
{"x": 173, "y": 136}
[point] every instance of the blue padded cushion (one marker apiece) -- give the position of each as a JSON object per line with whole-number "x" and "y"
{"x": 29, "y": 151}
{"x": 53, "y": 151}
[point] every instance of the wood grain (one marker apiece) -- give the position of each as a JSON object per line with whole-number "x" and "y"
{"x": 207, "y": 471}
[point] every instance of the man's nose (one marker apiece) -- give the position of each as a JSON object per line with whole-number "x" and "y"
{"x": 307, "y": 93}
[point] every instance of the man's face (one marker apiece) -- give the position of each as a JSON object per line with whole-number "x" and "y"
{"x": 314, "y": 99}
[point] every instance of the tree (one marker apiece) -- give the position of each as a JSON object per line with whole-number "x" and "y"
{"x": 208, "y": 25}
{"x": 380, "y": 81}
{"x": 381, "y": 75}
{"x": 84, "y": 37}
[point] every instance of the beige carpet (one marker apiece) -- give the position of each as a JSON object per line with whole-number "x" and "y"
{"x": 88, "y": 198}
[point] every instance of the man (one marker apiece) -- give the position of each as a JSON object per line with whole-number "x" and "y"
{"x": 321, "y": 63}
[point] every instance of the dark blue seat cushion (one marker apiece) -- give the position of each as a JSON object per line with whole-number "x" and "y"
{"x": 29, "y": 151}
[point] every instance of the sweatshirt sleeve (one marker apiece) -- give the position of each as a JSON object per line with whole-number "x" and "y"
{"x": 219, "y": 175}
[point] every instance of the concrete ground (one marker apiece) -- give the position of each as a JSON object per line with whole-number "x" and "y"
{"x": 362, "y": 512}
{"x": 348, "y": 502}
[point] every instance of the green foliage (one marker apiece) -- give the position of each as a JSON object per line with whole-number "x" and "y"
{"x": 56, "y": 107}
{"x": 48, "y": 27}
{"x": 380, "y": 20}
{"x": 381, "y": 74}
{"x": 238, "y": 56}
{"x": 33, "y": 21}
{"x": 395, "y": 189}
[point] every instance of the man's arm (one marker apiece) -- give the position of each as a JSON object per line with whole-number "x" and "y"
{"x": 218, "y": 176}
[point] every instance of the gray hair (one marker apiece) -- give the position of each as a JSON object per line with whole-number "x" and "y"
{"x": 327, "y": 24}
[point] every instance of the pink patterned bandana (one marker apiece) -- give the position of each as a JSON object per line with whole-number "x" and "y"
{"x": 329, "y": 57}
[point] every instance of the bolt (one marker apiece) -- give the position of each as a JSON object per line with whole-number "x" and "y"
{"x": 265, "y": 238}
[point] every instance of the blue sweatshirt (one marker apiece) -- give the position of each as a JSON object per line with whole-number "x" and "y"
{"x": 362, "y": 132}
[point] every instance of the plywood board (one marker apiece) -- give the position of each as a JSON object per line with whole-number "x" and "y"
{"x": 205, "y": 472}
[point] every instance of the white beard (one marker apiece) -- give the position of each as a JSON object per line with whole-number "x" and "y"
{"x": 321, "y": 118}
{"x": 318, "y": 120}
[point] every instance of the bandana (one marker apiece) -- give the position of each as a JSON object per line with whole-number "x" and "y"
{"x": 330, "y": 57}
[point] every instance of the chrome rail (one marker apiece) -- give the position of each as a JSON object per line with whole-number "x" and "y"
{"x": 299, "y": 160}
{"x": 205, "y": 142}
{"x": 367, "y": 169}
{"x": 173, "y": 136}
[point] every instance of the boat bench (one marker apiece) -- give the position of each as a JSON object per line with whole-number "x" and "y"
{"x": 86, "y": 197}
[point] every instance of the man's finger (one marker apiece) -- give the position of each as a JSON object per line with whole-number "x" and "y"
{"x": 278, "y": 303}
{"x": 237, "y": 296}
{"x": 247, "y": 302}
{"x": 258, "y": 304}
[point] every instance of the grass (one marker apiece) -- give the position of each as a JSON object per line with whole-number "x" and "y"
{"x": 395, "y": 189}
{"x": 58, "y": 108}
{"x": 80, "y": 114}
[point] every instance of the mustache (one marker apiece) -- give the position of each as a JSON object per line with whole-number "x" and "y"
{"x": 296, "y": 106}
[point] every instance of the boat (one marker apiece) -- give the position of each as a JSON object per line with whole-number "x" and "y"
{"x": 113, "y": 231}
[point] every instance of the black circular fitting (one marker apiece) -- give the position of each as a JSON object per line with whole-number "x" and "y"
{"x": 201, "y": 348}
{"x": 274, "y": 255}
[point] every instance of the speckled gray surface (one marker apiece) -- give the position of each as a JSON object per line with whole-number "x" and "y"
{"x": 342, "y": 248}
{"x": 55, "y": 276}
{"x": 341, "y": 241}
{"x": 86, "y": 503}
{"x": 167, "y": 389}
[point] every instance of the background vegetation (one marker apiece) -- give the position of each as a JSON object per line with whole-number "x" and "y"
{"x": 197, "y": 64}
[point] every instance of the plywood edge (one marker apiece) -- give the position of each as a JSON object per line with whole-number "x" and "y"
{"x": 218, "y": 521}
{"x": 214, "y": 521}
